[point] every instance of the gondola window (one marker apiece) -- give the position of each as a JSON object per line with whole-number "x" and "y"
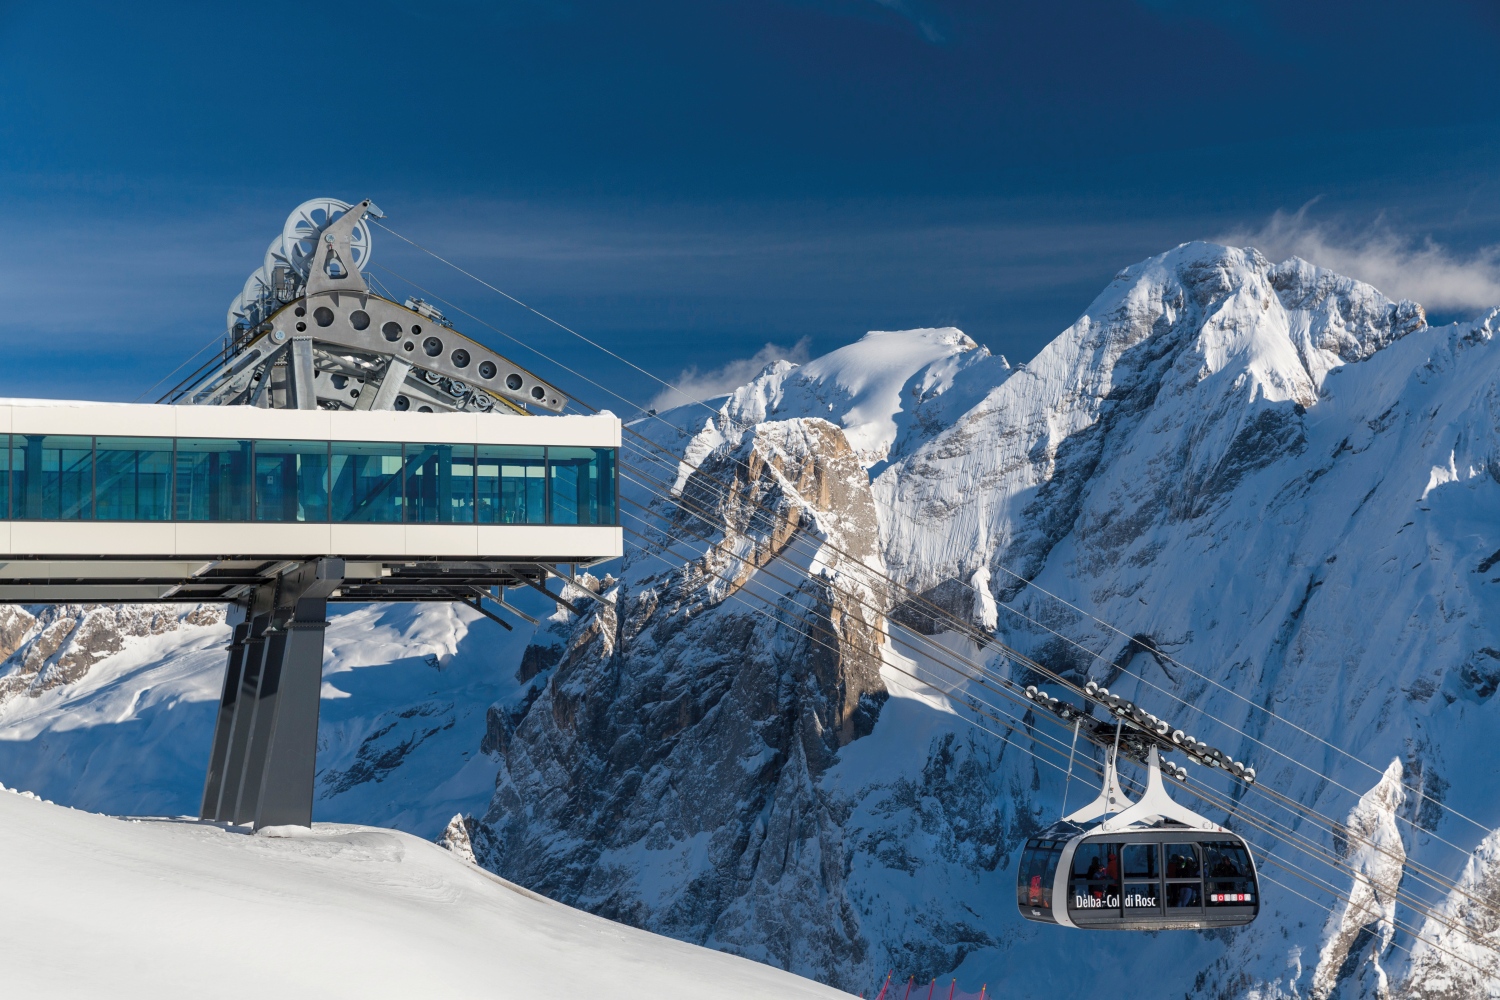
{"x": 1038, "y": 869}
{"x": 1142, "y": 877}
{"x": 1227, "y": 868}
{"x": 1096, "y": 878}
{"x": 1184, "y": 877}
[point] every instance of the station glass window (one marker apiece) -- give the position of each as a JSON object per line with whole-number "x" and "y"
{"x": 133, "y": 479}
{"x": 512, "y": 481}
{"x": 583, "y": 485}
{"x": 367, "y": 481}
{"x": 18, "y": 485}
{"x": 291, "y": 480}
{"x": 1184, "y": 877}
{"x": 213, "y": 480}
{"x": 440, "y": 483}
{"x": 53, "y": 477}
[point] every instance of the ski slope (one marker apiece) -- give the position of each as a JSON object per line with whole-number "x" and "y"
{"x": 97, "y": 906}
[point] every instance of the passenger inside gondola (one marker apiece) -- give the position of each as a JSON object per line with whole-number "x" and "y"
{"x": 1096, "y": 875}
{"x": 1184, "y": 895}
{"x": 1182, "y": 866}
{"x": 1182, "y": 861}
{"x": 1227, "y": 865}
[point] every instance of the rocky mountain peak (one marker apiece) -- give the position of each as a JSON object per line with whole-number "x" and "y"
{"x": 874, "y": 388}
{"x": 693, "y": 720}
{"x": 1337, "y": 320}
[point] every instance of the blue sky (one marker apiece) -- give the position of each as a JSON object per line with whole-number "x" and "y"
{"x": 690, "y": 181}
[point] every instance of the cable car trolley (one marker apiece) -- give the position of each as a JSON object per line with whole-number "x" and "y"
{"x": 1145, "y": 866}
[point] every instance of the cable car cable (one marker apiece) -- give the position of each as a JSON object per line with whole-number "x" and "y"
{"x": 1289, "y": 867}
{"x": 712, "y": 411}
{"x": 937, "y": 611}
{"x": 679, "y": 459}
{"x": 1016, "y": 655}
{"x": 1446, "y": 887}
{"x": 1416, "y": 906}
{"x": 1290, "y": 836}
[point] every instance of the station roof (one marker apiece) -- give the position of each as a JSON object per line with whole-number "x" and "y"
{"x": 41, "y": 416}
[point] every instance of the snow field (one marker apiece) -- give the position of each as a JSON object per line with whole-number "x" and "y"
{"x": 97, "y": 906}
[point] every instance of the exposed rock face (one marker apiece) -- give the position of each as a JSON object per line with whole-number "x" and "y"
{"x": 1359, "y": 931}
{"x": 687, "y": 724}
{"x": 1459, "y": 955}
{"x": 457, "y": 835}
{"x": 1333, "y": 315}
{"x": 49, "y": 646}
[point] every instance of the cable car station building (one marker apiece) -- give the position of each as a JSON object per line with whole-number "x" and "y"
{"x": 329, "y": 452}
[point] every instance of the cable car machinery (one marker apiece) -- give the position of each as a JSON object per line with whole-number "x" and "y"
{"x": 1152, "y": 864}
{"x": 306, "y": 332}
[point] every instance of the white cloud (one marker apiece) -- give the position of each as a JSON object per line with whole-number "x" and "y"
{"x": 692, "y": 385}
{"x": 1400, "y": 267}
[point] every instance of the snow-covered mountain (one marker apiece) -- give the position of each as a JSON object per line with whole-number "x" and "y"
{"x": 1273, "y": 483}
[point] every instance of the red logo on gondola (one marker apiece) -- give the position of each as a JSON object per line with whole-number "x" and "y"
{"x": 1231, "y": 897}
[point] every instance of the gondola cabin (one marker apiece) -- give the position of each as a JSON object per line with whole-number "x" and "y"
{"x": 1152, "y": 865}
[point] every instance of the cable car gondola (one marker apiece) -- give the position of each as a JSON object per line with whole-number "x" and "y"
{"x": 1151, "y": 865}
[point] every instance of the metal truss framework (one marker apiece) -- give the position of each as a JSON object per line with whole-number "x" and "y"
{"x": 307, "y": 333}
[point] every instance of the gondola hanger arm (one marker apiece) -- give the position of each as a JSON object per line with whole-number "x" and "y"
{"x": 1157, "y": 804}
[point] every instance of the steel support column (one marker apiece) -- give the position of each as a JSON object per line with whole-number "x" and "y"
{"x": 291, "y": 687}
{"x": 226, "y": 765}
{"x": 244, "y": 719}
{"x": 272, "y": 724}
{"x": 286, "y": 796}
{"x": 218, "y": 756}
{"x": 264, "y": 703}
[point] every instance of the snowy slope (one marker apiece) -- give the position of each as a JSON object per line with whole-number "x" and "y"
{"x": 406, "y": 687}
{"x": 97, "y": 906}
